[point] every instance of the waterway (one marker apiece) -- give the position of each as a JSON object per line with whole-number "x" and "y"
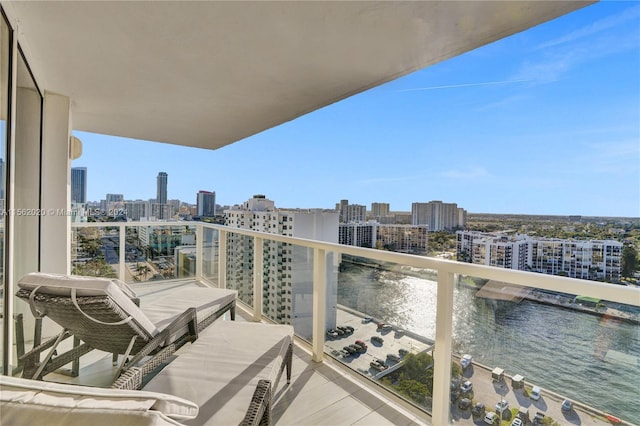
{"x": 584, "y": 357}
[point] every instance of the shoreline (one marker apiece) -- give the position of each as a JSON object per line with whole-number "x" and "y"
{"x": 556, "y": 299}
{"x": 560, "y": 301}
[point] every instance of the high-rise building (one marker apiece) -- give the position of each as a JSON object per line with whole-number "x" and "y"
{"x": 438, "y": 216}
{"x": 206, "y": 203}
{"x": 380, "y": 210}
{"x": 288, "y": 269}
{"x": 413, "y": 239}
{"x": 137, "y": 209}
{"x": 399, "y": 238}
{"x": 341, "y": 207}
{"x": 351, "y": 212}
{"x": 358, "y": 234}
{"x": 161, "y": 191}
{"x": 599, "y": 260}
{"x": 78, "y": 185}
{"x": 115, "y": 198}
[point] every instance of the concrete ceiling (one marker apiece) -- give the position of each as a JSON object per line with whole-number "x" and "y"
{"x": 207, "y": 74}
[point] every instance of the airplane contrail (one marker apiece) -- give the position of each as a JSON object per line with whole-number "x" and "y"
{"x": 450, "y": 86}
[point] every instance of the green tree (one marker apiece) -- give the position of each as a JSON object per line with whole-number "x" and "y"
{"x": 414, "y": 390}
{"x": 629, "y": 260}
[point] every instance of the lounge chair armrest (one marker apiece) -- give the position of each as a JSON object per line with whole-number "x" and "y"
{"x": 188, "y": 318}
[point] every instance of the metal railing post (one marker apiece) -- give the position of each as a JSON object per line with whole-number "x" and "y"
{"x": 199, "y": 251}
{"x": 442, "y": 349}
{"x": 122, "y": 255}
{"x": 319, "y": 302}
{"x": 222, "y": 259}
{"x": 258, "y": 264}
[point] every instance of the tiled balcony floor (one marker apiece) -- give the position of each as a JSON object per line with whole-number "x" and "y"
{"x": 319, "y": 393}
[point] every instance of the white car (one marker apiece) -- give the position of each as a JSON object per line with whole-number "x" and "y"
{"x": 502, "y": 406}
{"x": 465, "y": 361}
{"x": 490, "y": 418}
{"x": 466, "y": 387}
{"x": 535, "y": 393}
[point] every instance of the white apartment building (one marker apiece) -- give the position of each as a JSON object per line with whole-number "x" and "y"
{"x": 380, "y": 209}
{"x": 137, "y": 209}
{"x": 413, "y": 239}
{"x": 398, "y": 238}
{"x": 592, "y": 260}
{"x": 288, "y": 270}
{"x": 599, "y": 260}
{"x": 358, "y": 234}
{"x": 438, "y": 216}
{"x": 351, "y": 212}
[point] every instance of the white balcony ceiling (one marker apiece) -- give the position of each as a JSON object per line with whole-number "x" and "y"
{"x": 207, "y": 74}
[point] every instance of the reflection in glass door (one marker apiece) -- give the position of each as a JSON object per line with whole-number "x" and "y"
{"x": 5, "y": 44}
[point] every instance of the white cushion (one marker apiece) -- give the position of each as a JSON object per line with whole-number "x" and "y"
{"x": 61, "y": 285}
{"x": 87, "y": 286}
{"x": 221, "y": 369}
{"x": 26, "y": 401}
{"x": 206, "y": 300}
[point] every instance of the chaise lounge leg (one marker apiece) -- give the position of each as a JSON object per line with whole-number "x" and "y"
{"x": 289, "y": 362}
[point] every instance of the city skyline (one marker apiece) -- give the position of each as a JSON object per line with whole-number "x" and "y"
{"x": 562, "y": 98}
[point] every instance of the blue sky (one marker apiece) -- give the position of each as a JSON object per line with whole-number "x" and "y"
{"x": 544, "y": 122}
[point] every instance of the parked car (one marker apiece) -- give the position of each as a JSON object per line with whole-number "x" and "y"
{"x": 466, "y": 387}
{"x": 393, "y": 357}
{"x": 535, "y": 393}
{"x": 350, "y": 350}
{"x": 478, "y": 409}
{"x": 502, "y": 406}
{"x": 345, "y": 330}
{"x": 378, "y": 364}
{"x": 490, "y": 418}
{"x": 362, "y": 346}
{"x": 403, "y": 352}
{"x": 455, "y": 383}
{"x": 349, "y": 329}
{"x": 377, "y": 340}
{"x": 332, "y": 333}
{"x": 386, "y": 327}
{"x": 344, "y": 353}
{"x": 366, "y": 320}
{"x": 399, "y": 332}
{"x": 538, "y": 419}
{"x": 464, "y": 404}
{"x": 567, "y": 405}
{"x": 356, "y": 348}
{"x": 465, "y": 361}
{"x": 516, "y": 422}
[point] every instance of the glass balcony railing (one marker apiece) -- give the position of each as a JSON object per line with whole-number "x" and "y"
{"x": 135, "y": 251}
{"x": 405, "y": 322}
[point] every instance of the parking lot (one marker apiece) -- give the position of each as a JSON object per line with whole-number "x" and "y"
{"x": 392, "y": 343}
{"x": 485, "y": 390}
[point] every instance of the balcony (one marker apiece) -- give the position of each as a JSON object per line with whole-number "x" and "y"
{"x": 522, "y": 322}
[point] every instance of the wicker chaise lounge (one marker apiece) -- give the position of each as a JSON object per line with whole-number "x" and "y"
{"x": 229, "y": 371}
{"x": 103, "y": 314}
